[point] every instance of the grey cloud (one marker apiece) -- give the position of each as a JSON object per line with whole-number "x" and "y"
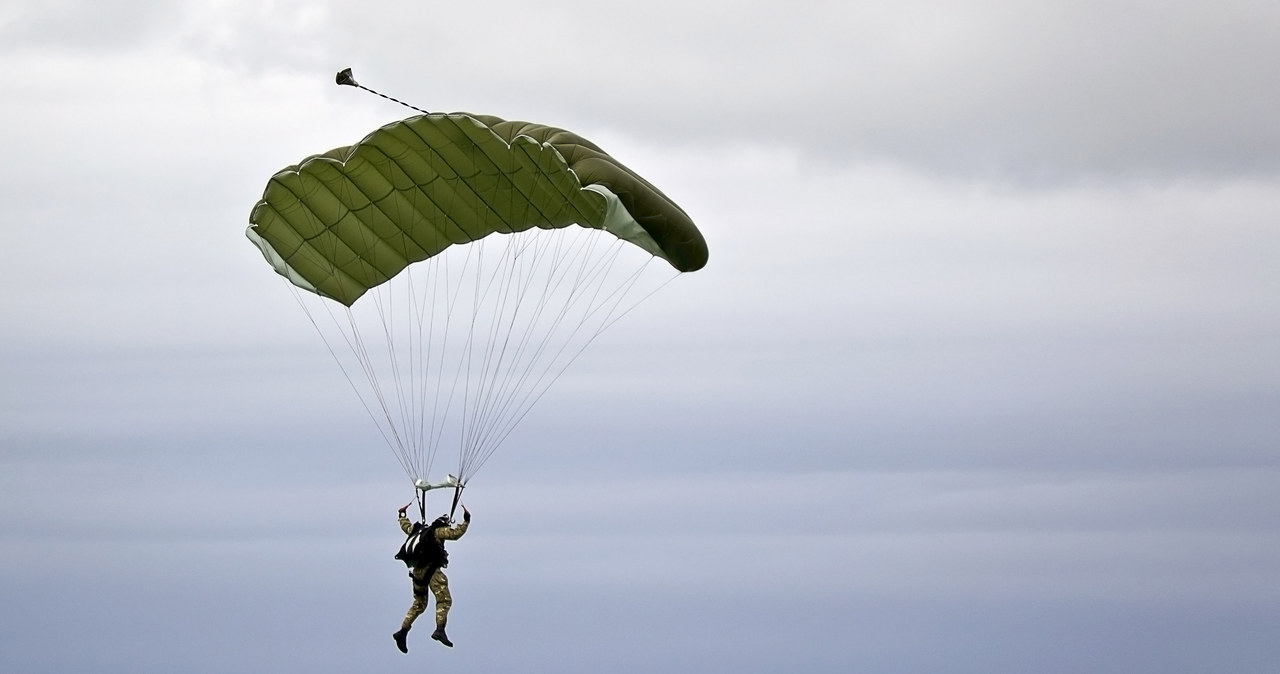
{"x": 1033, "y": 94}
{"x": 84, "y": 25}
{"x": 1032, "y": 429}
{"x": 1039, "y": 94}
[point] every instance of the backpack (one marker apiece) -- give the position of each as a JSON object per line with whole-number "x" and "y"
{"x": 421, "y": 549}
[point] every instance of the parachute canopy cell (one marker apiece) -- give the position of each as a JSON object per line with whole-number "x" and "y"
{"x": 340, "y": 223}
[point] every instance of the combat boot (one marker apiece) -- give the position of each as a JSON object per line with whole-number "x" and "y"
{"x": 440, "y": 636}
{"x": 400, "y": 637}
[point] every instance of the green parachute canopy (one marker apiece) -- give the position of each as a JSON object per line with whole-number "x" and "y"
{"x": 340, "y": 223}
{"x": 460, "y": 332}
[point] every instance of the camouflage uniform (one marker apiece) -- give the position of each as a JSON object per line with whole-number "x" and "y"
{"x": 437, "y": 584}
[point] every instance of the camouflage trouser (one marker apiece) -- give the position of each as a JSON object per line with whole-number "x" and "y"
{"x": 438, "y": 585}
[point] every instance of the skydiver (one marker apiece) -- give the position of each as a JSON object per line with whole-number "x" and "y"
{"x": 425, "y": 562}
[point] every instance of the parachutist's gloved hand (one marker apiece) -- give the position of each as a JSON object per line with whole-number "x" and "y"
{"x": 466, "y": 514}
{"x": 405, "y": 507}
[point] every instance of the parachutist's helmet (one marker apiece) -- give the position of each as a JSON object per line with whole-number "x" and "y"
{"x": 441, "y": 521}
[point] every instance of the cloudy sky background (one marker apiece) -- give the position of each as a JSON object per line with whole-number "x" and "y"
{"x": 982, "y": 374}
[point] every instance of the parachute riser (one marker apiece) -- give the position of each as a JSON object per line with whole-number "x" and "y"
{"x": 422, "y": 487}
{"x": 344, "y": 78}
{"x": 457, "y": 494}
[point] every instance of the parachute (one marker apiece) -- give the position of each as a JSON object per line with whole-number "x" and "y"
{"x": 464, "y": 262}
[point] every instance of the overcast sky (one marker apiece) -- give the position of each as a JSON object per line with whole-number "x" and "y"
{"x": 982, "y": 375}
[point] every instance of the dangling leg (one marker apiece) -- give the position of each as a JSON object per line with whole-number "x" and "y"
{"x": 440, "y": 588}
{"x": 417, "y": 608}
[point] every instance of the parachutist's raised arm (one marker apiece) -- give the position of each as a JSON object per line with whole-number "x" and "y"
{"x": 454, "y": 532}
